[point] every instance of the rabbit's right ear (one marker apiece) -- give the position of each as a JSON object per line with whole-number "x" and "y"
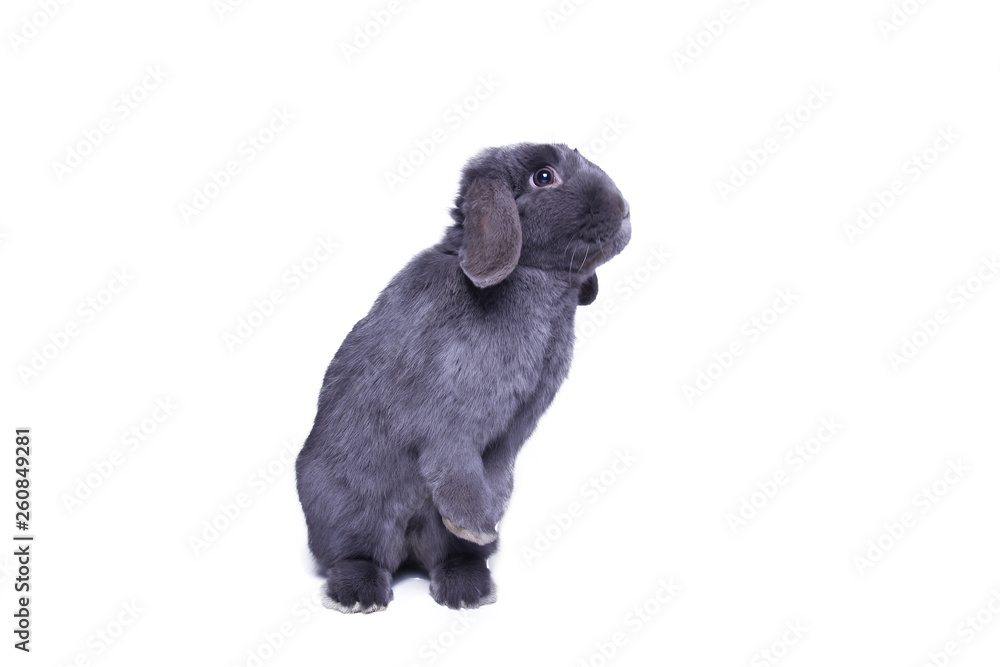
{"x": 492, "y": 242}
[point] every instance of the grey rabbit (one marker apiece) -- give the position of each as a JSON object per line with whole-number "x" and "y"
{"x": 429, "y": 398}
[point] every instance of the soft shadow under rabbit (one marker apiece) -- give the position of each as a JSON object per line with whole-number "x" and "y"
{"x": 429, "y": 398}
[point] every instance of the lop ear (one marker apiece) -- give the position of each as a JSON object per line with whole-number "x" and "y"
{"x": 588, "y": 290}
{"x": 492, "y": 243}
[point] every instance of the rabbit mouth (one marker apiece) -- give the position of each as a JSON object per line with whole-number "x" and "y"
{"x": 604, "y": 247}
{"x": 616, "y": 241}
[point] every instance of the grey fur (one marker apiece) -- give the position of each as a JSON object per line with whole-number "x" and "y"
{"x": 430, "y": 397}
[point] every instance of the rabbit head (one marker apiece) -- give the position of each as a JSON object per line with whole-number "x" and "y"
{"x": 538, "y": 205}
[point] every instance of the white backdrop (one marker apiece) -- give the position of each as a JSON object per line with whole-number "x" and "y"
{"x": 778, "y": 442}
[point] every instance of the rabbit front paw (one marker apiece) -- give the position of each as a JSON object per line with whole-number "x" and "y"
{"x": 477, "y": 537}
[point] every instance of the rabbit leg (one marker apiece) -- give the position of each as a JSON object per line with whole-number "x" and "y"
{"x": 498, "y": 458}
{"x": 357, "y": 586}
{"x": 357, "y": 538}
{"x": 462, "y": 581}
{"x": 457, "y": 567}
{"x": 461, "y": 494}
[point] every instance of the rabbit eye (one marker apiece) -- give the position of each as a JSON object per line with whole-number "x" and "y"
{"x": 544, "y": 177}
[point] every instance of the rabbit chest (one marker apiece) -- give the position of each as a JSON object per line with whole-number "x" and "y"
{"x": 510, "y": 349}
{"x": 438, "y": 356}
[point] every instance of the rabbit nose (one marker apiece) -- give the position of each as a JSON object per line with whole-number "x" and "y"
{"x": 620, "y": 204}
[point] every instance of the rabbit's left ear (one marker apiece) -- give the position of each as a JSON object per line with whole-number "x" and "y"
{"x": 492, "y": 243}
{"x": 588, "y": 290}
